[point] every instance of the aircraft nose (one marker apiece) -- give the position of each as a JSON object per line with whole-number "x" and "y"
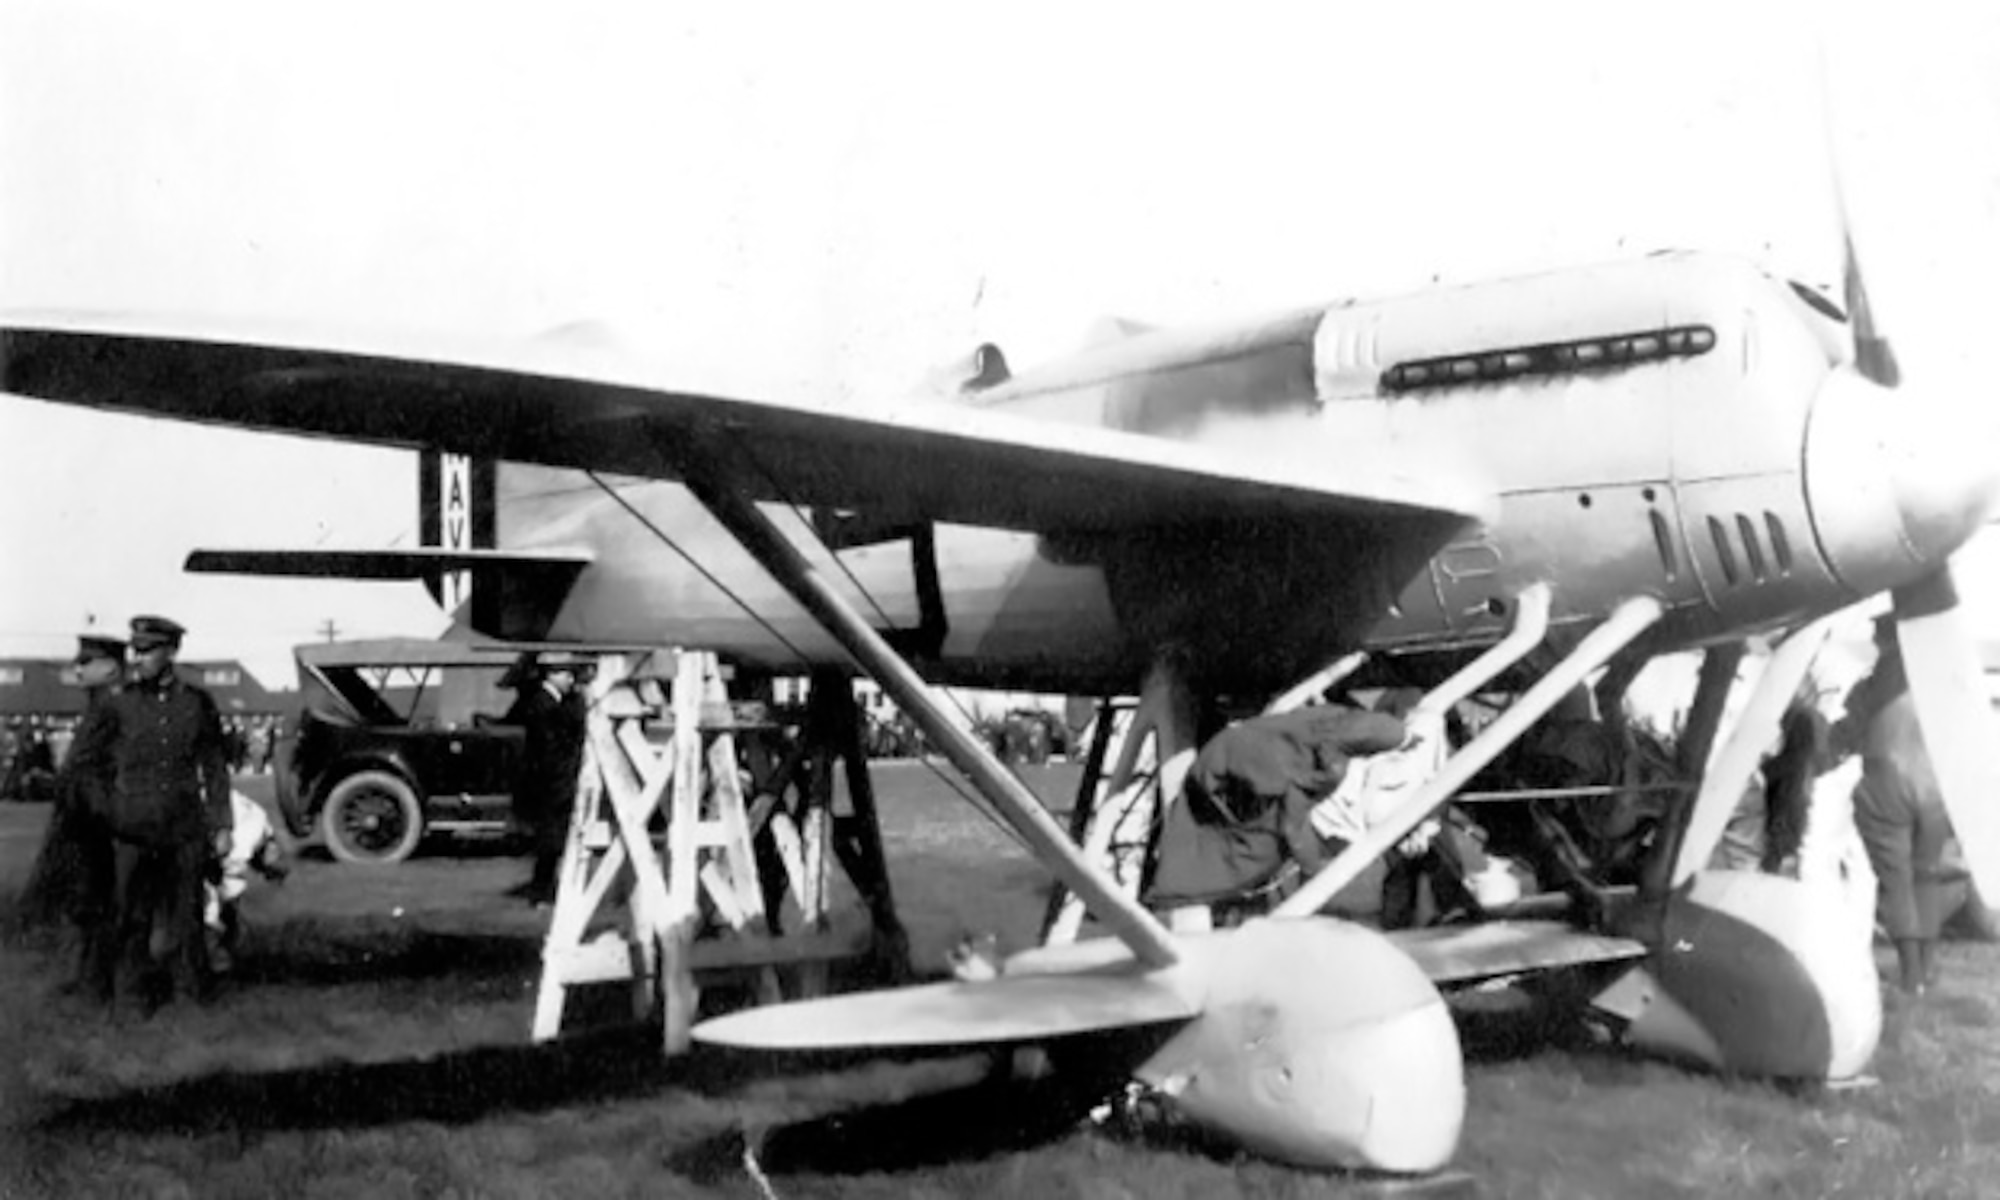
{"x": 1945, "y": 467}
{"x": 1897, "y": 479}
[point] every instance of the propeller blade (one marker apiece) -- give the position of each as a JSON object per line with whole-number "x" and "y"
{"x": 1948, "y": 687}
{"x": 1756, "y": 732}
{"x": 1874, "y": 358}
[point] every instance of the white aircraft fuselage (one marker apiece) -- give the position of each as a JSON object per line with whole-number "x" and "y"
{"x": 1650, "y": 427}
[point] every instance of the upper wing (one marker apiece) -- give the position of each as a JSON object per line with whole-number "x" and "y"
{"x": 580, "y": 407}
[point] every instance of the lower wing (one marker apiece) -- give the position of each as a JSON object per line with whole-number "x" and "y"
{"x": 1095, "y": 986}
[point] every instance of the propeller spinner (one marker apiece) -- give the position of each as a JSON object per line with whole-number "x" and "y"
{"x": 1901, "y": 470}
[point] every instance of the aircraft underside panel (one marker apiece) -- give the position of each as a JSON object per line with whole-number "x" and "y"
{"x": 668, "y": 573}
{"x": 1258, "y": 604}
{"x": 1596, "y": 546}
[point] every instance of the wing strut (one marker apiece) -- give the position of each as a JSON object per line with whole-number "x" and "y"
{"x": 1150, "y": 941}
{"x": 1728, "y": 773}
{"x": 1630, "y": 619}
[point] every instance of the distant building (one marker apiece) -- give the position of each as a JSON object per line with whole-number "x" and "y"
{"x": 47, "y": 688}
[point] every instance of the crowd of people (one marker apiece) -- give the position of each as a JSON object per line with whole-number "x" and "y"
{"x": 31, "y": 750}
{"x": 250, "y": 743}
{"x": 34, "y": 748}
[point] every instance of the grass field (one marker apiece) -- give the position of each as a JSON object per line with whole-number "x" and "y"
{"x": 375, "y": 1044}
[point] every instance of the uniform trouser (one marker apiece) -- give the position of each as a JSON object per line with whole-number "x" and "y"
{"x": 1905, "y": 842}
{"x": 156, "y": 897}
{"x": 71, "y": 879}
{"x": 551, "y": 833}
{"x": 1447, "y": 861}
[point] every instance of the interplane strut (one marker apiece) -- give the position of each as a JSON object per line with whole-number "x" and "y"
{"x": 1150, "y": 940}
{"x": 1627, "y": 622}
{"x": 1722, "y": 784}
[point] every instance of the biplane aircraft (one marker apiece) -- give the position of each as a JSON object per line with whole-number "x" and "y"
{"x": 1564, "y": 469}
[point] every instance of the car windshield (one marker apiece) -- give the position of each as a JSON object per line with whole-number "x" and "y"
{"x": 342, "y": 696}
{"x": 391, "y": 693}
{"x": 403, "y": 682}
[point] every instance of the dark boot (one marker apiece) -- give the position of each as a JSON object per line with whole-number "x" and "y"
{"x": 542, "y": 884}
{"x": 1399, "y": 893}
{"x": 1910, "y": 960}
{"x": 152, "y": 988}
{"x": 97, "y": 973}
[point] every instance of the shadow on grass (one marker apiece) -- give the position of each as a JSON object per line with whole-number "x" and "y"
{"x": 456, "y": 1087}
{"x": 992, "y": 1117}
{"x": 1552, "y": 1017}
{"x": 331, "y": 955}
{"x": 472, "y": 847}
{"x": 981, "y": 1109}
{"x": 954, "y": 1126}
{"x": 1491, "y": 1033}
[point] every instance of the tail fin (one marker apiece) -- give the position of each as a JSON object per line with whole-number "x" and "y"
{"x": 455, "y": 506}
{"x": 510, "y": 594}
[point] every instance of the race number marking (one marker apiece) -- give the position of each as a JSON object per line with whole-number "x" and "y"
{"x": 454, "y": 524}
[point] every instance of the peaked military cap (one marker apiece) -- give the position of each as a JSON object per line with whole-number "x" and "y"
{"x": 148, "y": 632}
{"x": 526, "y": 668}
{"x": 90, "y": 646}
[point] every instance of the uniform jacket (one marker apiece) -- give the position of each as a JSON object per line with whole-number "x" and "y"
{"x": 1247, "y": 803}
{"x": 551, "y": 752}
{"x": 150, "y": 761}
{"x": 1898, "y": 807}
{"x": 1881, "y": 725}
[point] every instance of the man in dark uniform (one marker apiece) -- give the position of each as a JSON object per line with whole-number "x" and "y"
{"x": 1246, "y": 809}
{"x": 150, "y": 762}
{"x": 71, "y": 880}
{"x": 552, "y": 711}
{"x": 1899, "y": 810}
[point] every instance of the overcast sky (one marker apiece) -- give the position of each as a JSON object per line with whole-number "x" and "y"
{"x": 829, "y": 199}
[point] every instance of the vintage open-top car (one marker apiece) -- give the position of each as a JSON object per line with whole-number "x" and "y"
{"x": 396, "y": 739}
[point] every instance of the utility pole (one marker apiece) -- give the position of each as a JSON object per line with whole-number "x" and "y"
{"x": 328, "y": 629}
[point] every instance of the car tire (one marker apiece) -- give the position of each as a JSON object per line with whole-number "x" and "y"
{"x": 372, "y": 818}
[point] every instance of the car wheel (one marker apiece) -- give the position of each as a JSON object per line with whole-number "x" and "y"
{"x": 372, "y": 817}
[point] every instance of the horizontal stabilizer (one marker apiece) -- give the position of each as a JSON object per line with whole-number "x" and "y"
{"x": 1006, "y": 1009}
{"x": 515, "y": 595}
{"x": 448, "y": 652}
{"x": 380, "y": 564}
{"x": 1469, "y": 953}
